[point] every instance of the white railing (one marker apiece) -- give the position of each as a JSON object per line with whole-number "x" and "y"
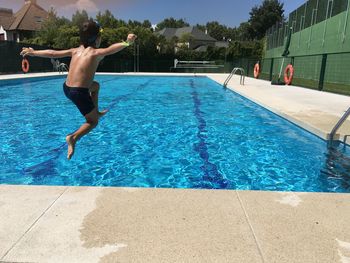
{"x": 195, "y": 64}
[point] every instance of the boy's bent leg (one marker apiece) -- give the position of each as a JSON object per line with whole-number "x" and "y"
{"x": 91, "y": 122}
{"x": 94, "y": 90}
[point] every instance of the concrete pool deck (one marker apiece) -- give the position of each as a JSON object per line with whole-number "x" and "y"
{"x": 86, "y": 224}
{"x": 91, "y": 224}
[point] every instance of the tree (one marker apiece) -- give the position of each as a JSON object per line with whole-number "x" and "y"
{"x": 216, "y": 30}
{"x": 244, "y": 32}
{"x": 49, "y": 30}
{"x": 147, "y": 41}
{"x": 185, "y": 38}
{"x": 263, "y": 17}
{"x": 79, "y": 18}
{"x": 134, "y": 23}
{"x": 172, "y": 23}
{"x": 67, "y": 37}
{"x": 201, "y": 27}
{"x": 107, "y": 19}
{"x": 147, "y": 24}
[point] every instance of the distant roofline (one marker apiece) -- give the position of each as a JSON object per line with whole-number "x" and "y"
{"x": 8, "y": 10}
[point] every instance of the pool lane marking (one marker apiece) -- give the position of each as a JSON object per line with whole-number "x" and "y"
{"x": 209, "y": 169}
{"x": 34, "y": 169}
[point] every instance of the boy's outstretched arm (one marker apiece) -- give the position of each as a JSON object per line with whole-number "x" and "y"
{"x": 48, "y": 53}
{"x": 102, "y": 52}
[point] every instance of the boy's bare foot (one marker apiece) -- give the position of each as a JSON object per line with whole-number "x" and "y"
{"x": 71, "y": 146}
{"x": 101, "y": 113}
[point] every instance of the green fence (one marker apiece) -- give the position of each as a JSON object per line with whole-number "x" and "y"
{"x": 319, "y": 49}
{"x": 11, "y": 63}
{"x": 327, "y": 72}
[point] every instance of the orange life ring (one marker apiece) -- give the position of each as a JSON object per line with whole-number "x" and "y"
{"x": 288, "y": 74}
{"x": 25, "y": 65}
{"x": 256, "y": 70}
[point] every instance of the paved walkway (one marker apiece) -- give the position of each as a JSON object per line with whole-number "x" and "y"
{"x": 72, "y": 224}
{"x": 86, "y": 224}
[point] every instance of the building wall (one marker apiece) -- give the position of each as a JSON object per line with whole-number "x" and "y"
{"x": 2, "y": 31}
{"x": 9, "y": 35}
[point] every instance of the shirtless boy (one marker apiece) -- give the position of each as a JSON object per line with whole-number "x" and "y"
{"x": 80, "y": 86}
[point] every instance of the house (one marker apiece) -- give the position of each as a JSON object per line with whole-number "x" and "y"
{"x": 192, "y": 37}
{"x": 22, "y": 24}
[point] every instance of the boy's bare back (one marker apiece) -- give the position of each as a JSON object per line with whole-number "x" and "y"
{"x": 84, "y": 60}
{"x": 82, "y": 67}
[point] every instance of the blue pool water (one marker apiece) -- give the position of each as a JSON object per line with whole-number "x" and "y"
{"x": 177, "y": 132}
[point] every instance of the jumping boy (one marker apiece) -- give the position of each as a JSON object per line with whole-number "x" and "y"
{"x": 80, "y": 86}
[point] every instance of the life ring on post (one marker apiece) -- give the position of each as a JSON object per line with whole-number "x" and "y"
{"x": 256, "y": 70}
{"x": 288, "y": 74}
{"x": 25, "y": 65}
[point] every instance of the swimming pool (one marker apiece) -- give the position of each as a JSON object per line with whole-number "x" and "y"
{"x": 176, "y": 132}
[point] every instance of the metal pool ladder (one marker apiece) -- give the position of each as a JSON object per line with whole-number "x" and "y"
{"x": 242, "y": 73}
{"x": 338, "y": 125}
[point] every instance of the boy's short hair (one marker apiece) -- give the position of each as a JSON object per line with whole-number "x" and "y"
{"x": 89, "y": 32}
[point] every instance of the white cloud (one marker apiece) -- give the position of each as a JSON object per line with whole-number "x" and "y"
{"x": 87, "y": 5}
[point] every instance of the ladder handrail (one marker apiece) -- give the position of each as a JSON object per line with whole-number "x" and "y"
{"x": 339, "y": 124}
{"x": 242, "y": 73}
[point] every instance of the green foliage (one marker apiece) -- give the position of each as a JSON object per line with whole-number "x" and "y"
{"x": 107, "y": 20}
{"x": 113, "y": 35}
{"x": 244, "y": 32}
{"x": 171, "y": 22}
{"x": 147, "y": 24}
{"x": 147, "y": 41}
{"x": 79, "y": 18}
{"x": 67, "y": 37}
{"x": 49, "y": 31}
{"x": 61, "y": 33}
{"x": 264, "y": 16}
{"x": 246, "y": 49}
{"x": 185, "y": 38}
{"x": 216, "y": 30}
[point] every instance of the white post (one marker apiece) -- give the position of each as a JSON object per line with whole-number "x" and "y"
{"x": 346, "y": 21}
{"x": 138, "y": 58}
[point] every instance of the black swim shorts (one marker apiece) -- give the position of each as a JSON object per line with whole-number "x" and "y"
{"x": 80, "y": 97}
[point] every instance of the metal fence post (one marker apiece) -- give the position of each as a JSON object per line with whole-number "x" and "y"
{"x": 322, "y": 71}
{"x": 248, "y": 67}
{"x": 271, "y": 69}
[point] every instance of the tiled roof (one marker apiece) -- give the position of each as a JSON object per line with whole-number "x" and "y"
{"x": 29, "y": 17}
{"x": 6, "y": 21}
{"x": 168, "y": 33}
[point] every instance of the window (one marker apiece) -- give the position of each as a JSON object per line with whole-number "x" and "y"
{"x": 38, "y": 19}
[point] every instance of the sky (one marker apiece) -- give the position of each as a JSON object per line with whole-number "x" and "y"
{"x": 227, "y": 12}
